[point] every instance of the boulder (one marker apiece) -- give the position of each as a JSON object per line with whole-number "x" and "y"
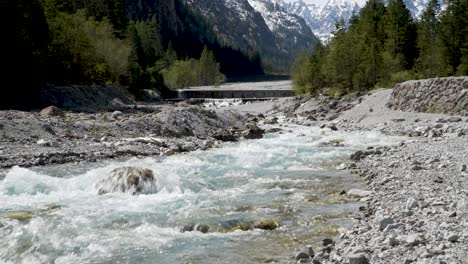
{"x": 52, "y": 111}
{"x": 252, "y": 132}
{"x": 132, "y": 180}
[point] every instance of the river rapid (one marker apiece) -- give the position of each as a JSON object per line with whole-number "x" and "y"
{"x": 207, "y": 208}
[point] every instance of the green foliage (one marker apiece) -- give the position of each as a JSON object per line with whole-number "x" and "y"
{"x": 384, "y": 46}
{"x": 192, "y": 72}
{"x": 86, "y": 51}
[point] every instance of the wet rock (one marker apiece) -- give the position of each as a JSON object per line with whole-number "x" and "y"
{"x": 310, "y": 251}
{"x": 52, "y": 111}
{"x": 20, "y": 215}
{"x": 358, "y": 155}
{"x": 327, "y": 242}
{"x": 301, "y": 255}
{"x": 224, "y": 136}
{"x": 130, "y": 180}
{"x": 359, "y": 193}
{"x": 267, "y": 224}
{"x": 253, "y": 132}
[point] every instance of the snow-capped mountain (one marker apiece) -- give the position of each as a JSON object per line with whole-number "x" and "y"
{"x": 322, "y": 18}
{"x": 257, "y": 25}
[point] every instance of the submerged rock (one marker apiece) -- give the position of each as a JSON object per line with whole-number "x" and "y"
{"x": 20, "y": 216}
{"x": 131, "y": 180}
{"x": 266, "y": 224}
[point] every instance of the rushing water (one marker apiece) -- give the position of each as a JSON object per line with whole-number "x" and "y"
{"x": 54, "y": 215}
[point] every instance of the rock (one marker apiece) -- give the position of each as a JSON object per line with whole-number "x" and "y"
{"x": 383, "y": 223}
{"x": 411, "y": 203}
{"x": 413, "y": 240}
{"x": 358, "y": 259}
{"x": 54, "y": 144}
{"x": 52, "y": 111}
{"x": 453, "y": 238}
{"x": 301, "y": 255}
{"x": 42, "y": 142}
{"x": 310, "y": 251}
{"x": 253, "y": 132}
{"x": 454, "y": 119}
{"x": 332, "y": 127}
{"x": 132, "y": 180}
{"x": 266, "y": 224}
{"x": 116, "y": 114}
{"x": 463, "y": 168}
{"x": 392, "y": 241}
{"x": 358, "y": 155}
{"x": 359, "y": 193}
{"x": 224, "y": 136}
{"x": 20, "y": 215}
{"x": 271, "y": 121}
{"x": 273, "y": 130}
{"x": 327, "y": 242}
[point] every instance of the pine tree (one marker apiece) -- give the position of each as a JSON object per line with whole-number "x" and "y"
{"x": 372, "y": 39}
{"x": 429, "y": 63}
{"x": 400, "y": 31}
{"x": 453, "y": 31}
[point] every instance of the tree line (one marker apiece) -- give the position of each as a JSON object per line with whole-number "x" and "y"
{"x": 69, "y": 42}
{"x": 383, "y": 45}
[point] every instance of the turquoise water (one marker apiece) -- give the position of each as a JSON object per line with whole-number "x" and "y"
{"x": 54, "y": 215}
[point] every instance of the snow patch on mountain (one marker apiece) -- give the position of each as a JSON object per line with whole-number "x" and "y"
{"x": 322, "y": 18}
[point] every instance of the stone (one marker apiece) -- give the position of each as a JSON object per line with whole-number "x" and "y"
{"x": 327, "y": 242}
{"x": 453, "y": 238}
{"x": 359, "y": 258}
{"x": 310, "y": 251}
{"x": 132, "y": 180}
{"x": 116, "y": 114}
{"x": 413, "y": 240}
{"x": 267, "y": 224}
{"x": 383, "y": 223}
{"x": 358, "y": 155}
{"x": 43, "y": 142}
{"x": 54, "y": 144}
{"x": 463, "y": 168}
{"x": 411, "y": 203}
{"x": 301, "y": 255}
{"x": 52, "y": 111}
{"x": 359, "y": 193}
{"x": 454, "y": 119}
{"x": 253, "y": 132}
{"x": 332, "y": 127}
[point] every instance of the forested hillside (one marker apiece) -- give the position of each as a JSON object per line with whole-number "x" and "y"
{"x": 132, "y": 43}
{"x": 383, "y": 45}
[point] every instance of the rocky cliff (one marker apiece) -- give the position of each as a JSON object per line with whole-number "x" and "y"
{"x": 437, "y": 95}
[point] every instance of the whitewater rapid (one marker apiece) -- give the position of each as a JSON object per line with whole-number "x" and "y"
{"x": 54, "y": 214}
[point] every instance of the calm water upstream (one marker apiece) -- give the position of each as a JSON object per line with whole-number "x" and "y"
{"x": 283, "y": 178}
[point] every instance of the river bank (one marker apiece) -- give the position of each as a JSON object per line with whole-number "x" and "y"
{"x": 415, "y": 208}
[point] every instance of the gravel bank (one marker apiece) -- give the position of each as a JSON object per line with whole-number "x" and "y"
{"x": 36, "y": 139}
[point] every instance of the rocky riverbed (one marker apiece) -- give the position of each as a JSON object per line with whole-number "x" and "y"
{"x": 56, "y": 136}
{"x": 415, "y": 205}
{"x": 414, "y": 209}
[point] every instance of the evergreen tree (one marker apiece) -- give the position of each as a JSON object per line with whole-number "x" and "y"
{"x": 429, "y": 63}
{"x": 401, "y": 37}
{"x": 453, "y": 33}
{"x": 208, "y": 69}
{"x": 371, "y": 43}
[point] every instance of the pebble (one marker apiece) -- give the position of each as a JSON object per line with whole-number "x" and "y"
{"x": 358, "y": 259}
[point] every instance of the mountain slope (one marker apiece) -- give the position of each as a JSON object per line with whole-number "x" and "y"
{"x": 321, "y": 19}
{"x": 257, "y": 26}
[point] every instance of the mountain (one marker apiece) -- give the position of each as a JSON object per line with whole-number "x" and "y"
{"x": 321, "y": 18}
{"x": 262, "y": 26}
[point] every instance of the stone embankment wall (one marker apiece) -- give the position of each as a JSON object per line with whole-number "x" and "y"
{"x": 438, "y": 95}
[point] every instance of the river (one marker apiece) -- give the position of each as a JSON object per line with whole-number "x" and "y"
{"x": 54, "y": 215}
